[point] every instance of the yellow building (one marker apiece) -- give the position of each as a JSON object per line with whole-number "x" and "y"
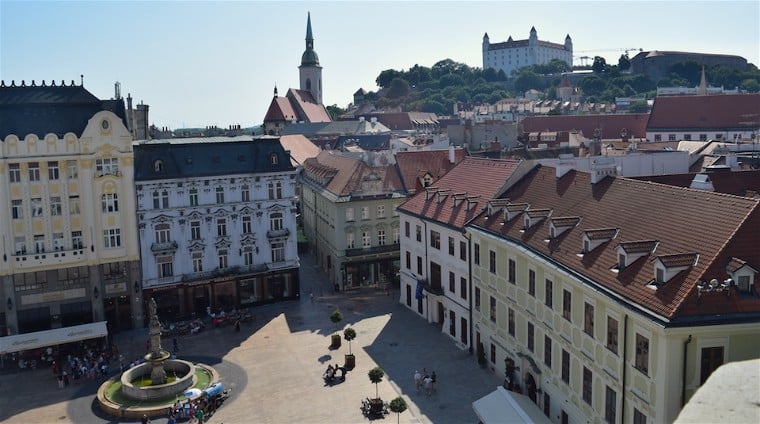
{"x": 69, "y": 240}
{"x": 610, "y": 299}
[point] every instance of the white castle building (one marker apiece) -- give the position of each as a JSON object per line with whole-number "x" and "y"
{"x": 515, "y": 54}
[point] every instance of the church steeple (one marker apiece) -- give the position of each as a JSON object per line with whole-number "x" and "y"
{"x": 309, "y": 57}
{"x": 310, "y": 71}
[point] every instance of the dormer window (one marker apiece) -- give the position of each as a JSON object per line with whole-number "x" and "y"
{"x": 559, "y": 225}
{"x": 742, "y": 274}
{"x": 621, "y": 261}
{"x": 596, "y": 237}
{"x": 512, "y": 210}
{"x": 427, "y": 180}
{"x": 667, "y": 266}
{"x": 628, "y": 252}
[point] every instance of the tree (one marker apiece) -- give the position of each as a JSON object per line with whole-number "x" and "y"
{"x": 638, "y": 107}
{"x": 399, "y": 88}
{"x": 750, "y": 85}
{"x": 527, "y": 80}
{"x": 349, "y": 334}
{"x": 336, "y": 317}
{"x": 600, "y": 65}
{"x": 592, "y": 85}
{"x": 398, "y": 406}
{"x": 335, "y": 111}
{"x": 624, "y": 63}
{"x": 376, "y": 376}
{"x": 384, "y": 79}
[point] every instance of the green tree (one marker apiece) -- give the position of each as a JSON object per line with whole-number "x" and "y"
{"x": 335, "y": 111}
{"x": 750, "y": 85}
{"x": 690, "y": 70}
{"x": 336, "y": 317}
{"x": 399, "y": 88}
{"x": 600, "y": 65}
{"x": 624, "y": 63}
{"x": 527, "y": 80}
{"x": 592, "y": 85}
{"x": 349, "y": 334}
{"x": 638, "y": 107}
{"x": 386, "y": 77}
{"x": 398, "y": 405}
{"x": 376, "y": 376}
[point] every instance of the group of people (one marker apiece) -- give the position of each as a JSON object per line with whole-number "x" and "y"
{"x": 329, "y": 374}
{"x": 90, "y": 365}
{"x": 423, "y": 380}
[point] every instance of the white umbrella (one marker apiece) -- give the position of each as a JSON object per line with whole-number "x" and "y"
{"x": 193, "y": 393}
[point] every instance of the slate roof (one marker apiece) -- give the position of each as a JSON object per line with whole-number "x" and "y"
{"x": 479, "y": 179}
{"x": 611, "y": 125}
{"x": 403, "y": 120}
{"x": 42, "y": 110}
{"x": 716, "y": 227}
{"x": 208, "y": 156}
{"x": 365, "y": 141}
{"x": 414, "y": 165}
{"x": 717, "y": 112}
{"x": 343, "y": 176}
{"x": 739, "y": 183}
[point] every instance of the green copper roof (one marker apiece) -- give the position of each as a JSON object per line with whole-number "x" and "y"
{"x": 309, "y": 57}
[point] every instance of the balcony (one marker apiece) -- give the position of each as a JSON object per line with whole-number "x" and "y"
{"x": 163, "y": 247}
{"x": 60, "y": 256}
{"x": 278, "y": 233}
{"x": 373, "y": 250}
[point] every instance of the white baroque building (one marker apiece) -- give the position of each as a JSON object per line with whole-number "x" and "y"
{"x": 217, "y": 223}
{"x": 512, "y": 55}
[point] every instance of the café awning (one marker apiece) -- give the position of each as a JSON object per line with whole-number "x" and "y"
{"x": 502, "y": 406}
{"x": 56, "y": 336}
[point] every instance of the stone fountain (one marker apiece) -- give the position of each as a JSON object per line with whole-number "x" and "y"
{"x": 161, "y": 393}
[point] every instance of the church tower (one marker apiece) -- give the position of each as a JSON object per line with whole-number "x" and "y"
{"x": 310, "y": 71}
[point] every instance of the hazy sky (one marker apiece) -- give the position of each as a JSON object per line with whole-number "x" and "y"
{"x": 216, "y": 63}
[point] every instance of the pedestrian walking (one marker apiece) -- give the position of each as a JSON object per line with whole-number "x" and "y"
{"x": 428, "y": 385}
{"x": 417, "y": 380}
{"x": 433, "y": 377}
{"x": 176, "y": 344}
{"x": 237, "y": 325}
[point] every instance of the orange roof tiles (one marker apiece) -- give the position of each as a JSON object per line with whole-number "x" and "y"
{"x": 708, "y": 112}
{"x": 717, "y": 227}
{"x": 413, "y": 166}
{"x": 343, "y": 176}
{"x": 611, "y": 125}
{"x": 481, "y": 180}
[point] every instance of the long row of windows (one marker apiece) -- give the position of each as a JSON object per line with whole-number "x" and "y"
{"x": 364, "y": 213}
{"x": 435, "y": 240}
{"x": 275, "y": 224}
{"x": 161, "y": 197}
{"x": 34, "y": 174}
{"x": 165, "y": 263}
{"x": 366, "y": 238}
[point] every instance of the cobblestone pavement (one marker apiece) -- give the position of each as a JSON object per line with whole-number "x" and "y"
{"x": 274, "y": 365}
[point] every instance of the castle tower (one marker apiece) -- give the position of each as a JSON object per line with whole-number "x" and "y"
{"x": 486, "y": 43}
{"x": 568, "y": 43}
{"x": 310, "y": 71}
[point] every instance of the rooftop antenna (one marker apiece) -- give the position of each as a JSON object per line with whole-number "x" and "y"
{"x": 81, "y": 80}
{"x": 117, "y": 90}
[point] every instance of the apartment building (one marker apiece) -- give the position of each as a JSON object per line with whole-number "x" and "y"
{"x": 607, "y": 299}
{"x": 216, "y": 218}
{"x": 69, "y": 245}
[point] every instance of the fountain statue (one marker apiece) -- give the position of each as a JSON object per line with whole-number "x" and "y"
{"x": 157, "y": 355}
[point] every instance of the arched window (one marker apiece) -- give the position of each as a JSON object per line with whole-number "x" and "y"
{"x": 273, "y": 159}
{"x": 110, "y": 202}
{"x": 308, "y": 83}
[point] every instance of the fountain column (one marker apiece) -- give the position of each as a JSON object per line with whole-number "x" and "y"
{"x": 157, "y": 355}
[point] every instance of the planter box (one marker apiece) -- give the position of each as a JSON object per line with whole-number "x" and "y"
{"x": 335, "y": 341}
{"x": 350, "y": 361}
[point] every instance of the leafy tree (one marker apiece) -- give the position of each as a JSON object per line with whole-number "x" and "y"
{"x": 398, "y": 405}
{"x": 336, "y": 317}
{"x": 335, "y": 111}
{"x": 527, "y": 80}
{"x": 638, "y": 107}
{"x": 399, "y": 88}
{"x": 349, "y": 334}
{"x": 624, "y": 63}
{"x": 376, "y": 376}
{"x": 490, "y": 75}
{"x": 449, "y": 80}
{"x": 592, "y": 85}
{"x": 443, "y": 67}
{"x": 386, "y": 77}
{"x": 600, "y": 65}
{"x": 750, "y": 85}
{"x": 433, "y": 106}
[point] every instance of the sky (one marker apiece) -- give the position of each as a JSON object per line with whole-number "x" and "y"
{"x": 198, "y": 63}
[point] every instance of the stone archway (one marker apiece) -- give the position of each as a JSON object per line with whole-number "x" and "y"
{"x": 530, "y": 388}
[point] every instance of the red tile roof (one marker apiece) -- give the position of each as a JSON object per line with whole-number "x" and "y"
{"x": 715, "y": 226}
{"x": 297, "y": 105}
{"x": 611, "y": 125}
{"x": 479, "y": 179}
{"x": 716, "y": 112}
{"x": 739, "y": 183}
{"x": 299, "y": 147}
{"x": 413, "y": 166}
{"x": 343, "y": 176}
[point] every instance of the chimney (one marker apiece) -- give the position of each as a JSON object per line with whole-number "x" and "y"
{"x": 451, "y": 154}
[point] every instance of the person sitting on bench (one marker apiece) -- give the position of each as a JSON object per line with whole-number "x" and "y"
{"x": 330, "y": 373}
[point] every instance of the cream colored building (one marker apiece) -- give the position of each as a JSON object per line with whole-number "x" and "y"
{"x": 69, "y": 240}
{"x": 615, "y": 299}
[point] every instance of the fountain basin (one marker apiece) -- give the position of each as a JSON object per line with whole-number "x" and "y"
{"x": 183, "y": 369}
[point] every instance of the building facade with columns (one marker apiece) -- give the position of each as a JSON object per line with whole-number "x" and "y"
{"x": 69, "y": 245}
{"x": 216, "y": 219}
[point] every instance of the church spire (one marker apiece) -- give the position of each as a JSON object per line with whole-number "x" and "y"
{"x": 309, "y": 57}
